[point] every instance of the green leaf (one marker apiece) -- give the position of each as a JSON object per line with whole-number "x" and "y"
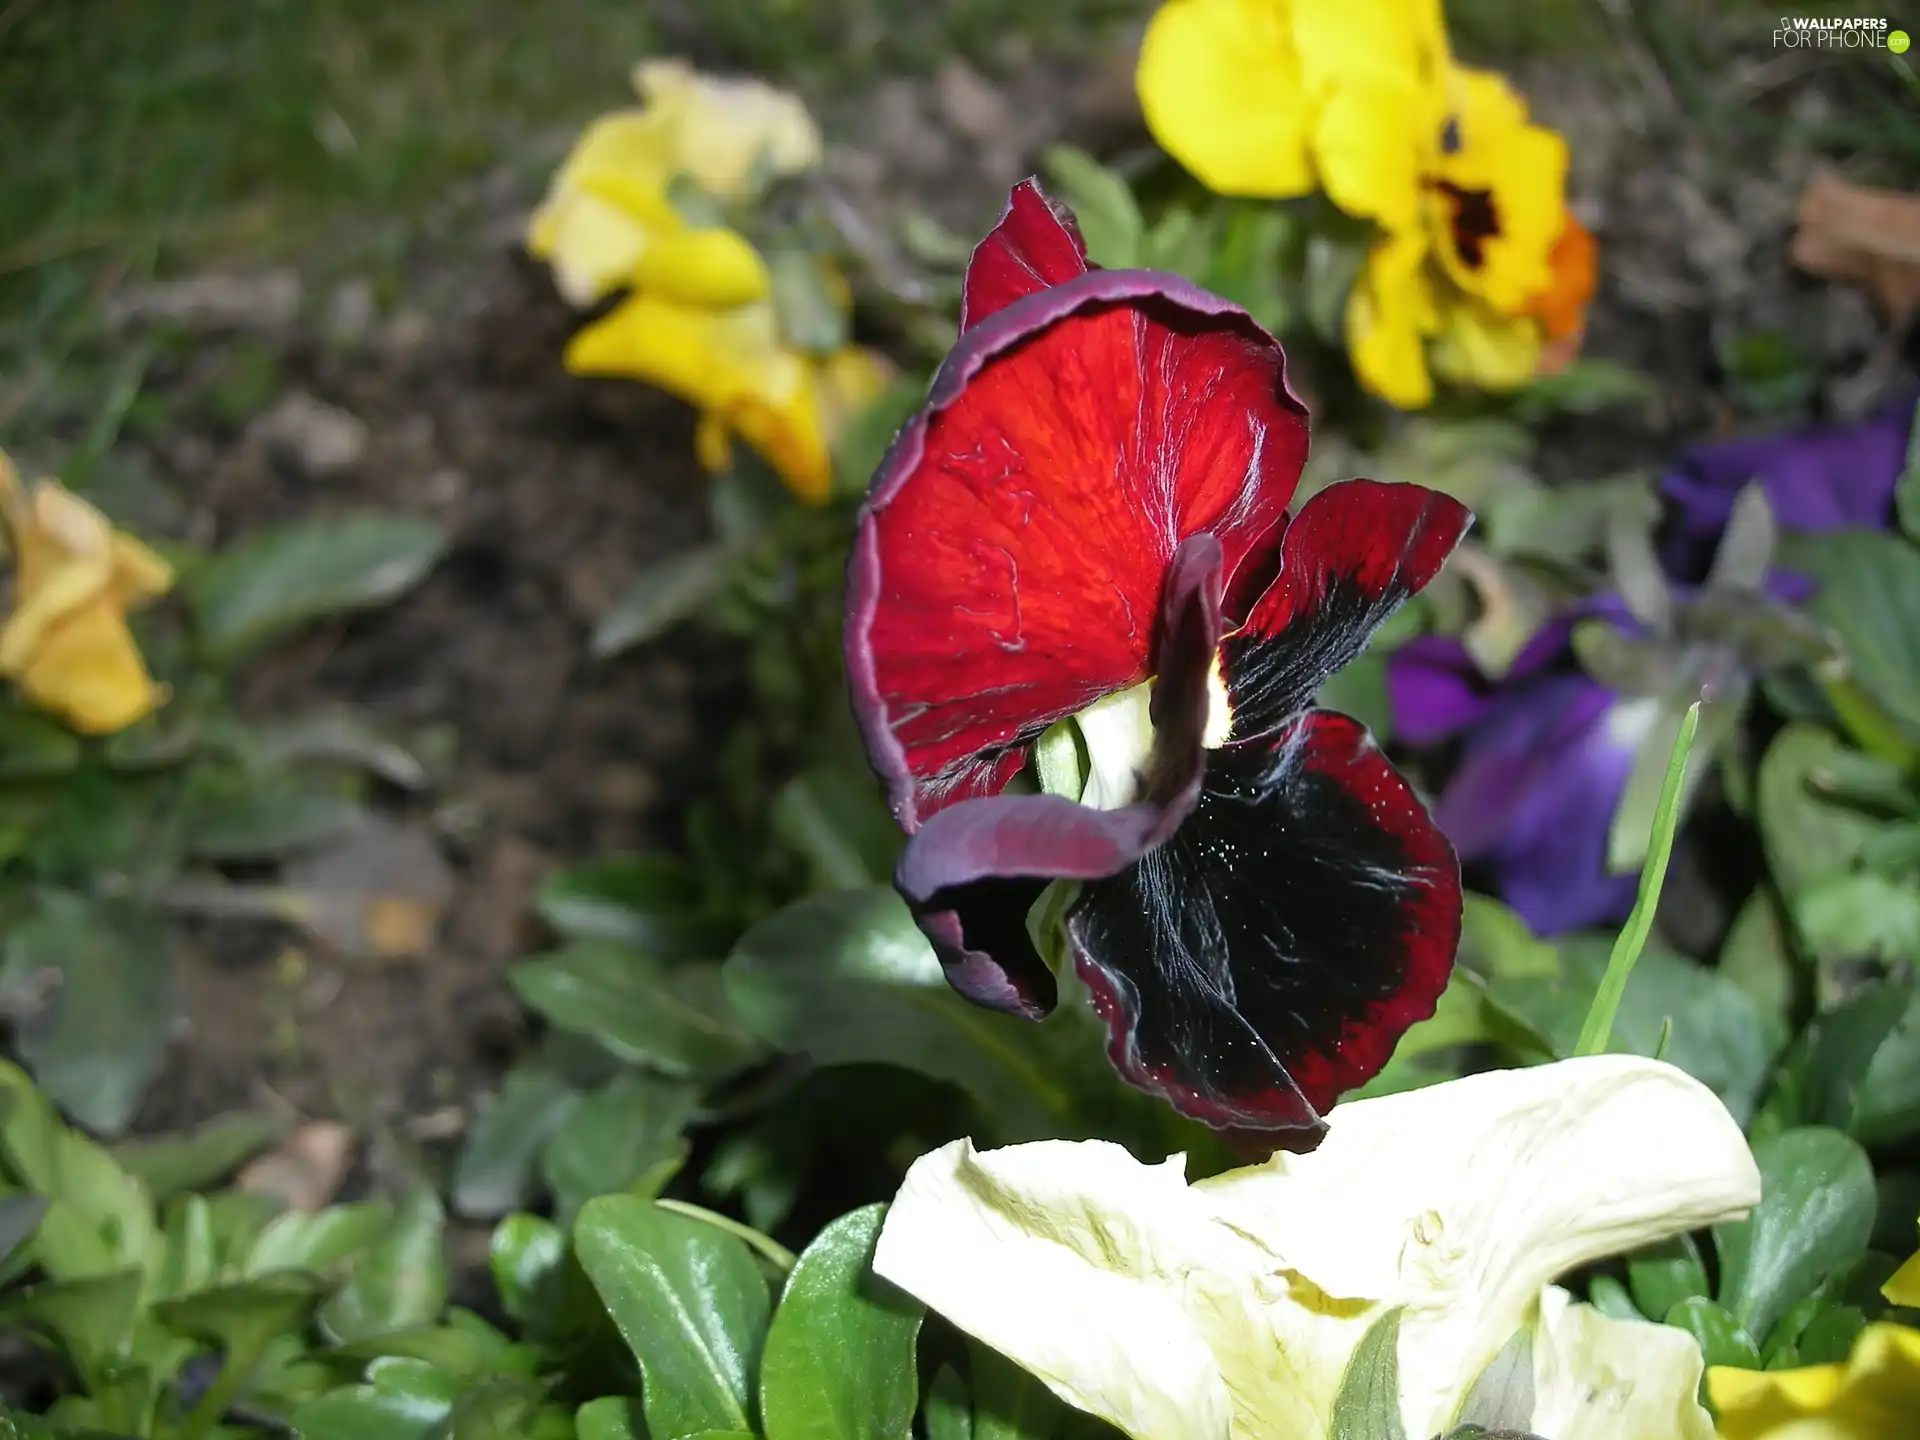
{"x": 1829, "y": 1334}
{"x": 20, "y": 1216}
{"x": 661, "y": 596}
{"x": 498, "y": 1407}
{"x": 401, "y": 1281}
{"x": 189, "y": 1260}
{"x": 1598, "y": 1026}
{"x": 1814, "y": 1218}
{"x": 240, "y": 1318}
{"x": 807, "y": 298}
{"x": 618, "y": 1138}
{"x": 847, "y": 978}
{"x": 1722, "y": 1338}
{"x": 1663, "y": 1275}
{"x": 863, "y": 440}
{"x": 948, "y": 1412}
{"x": 1503, "y": 1397}
{"x": 1008, "y": 1403}
{"x": 672, "y": 1019}
{"x": 461, "y": 1351}
{"x": 1587, "y": 386}
{"x": 501, "y": 1152}
{"x": 1610, "y": 1297}
{"x": 319, "y": 1240}
{"x": 1718, "y": 1034}
{"x": 839, "y": 1360}
{"x": 612, "y": 1417}
{"x": 277, "y": 580}
{"x": 365, "y": 1412}
{"x": 1367, "y": 1404}
{"x": 527, "y": 1256}
{"x": 1886, "y": 1107}
{"x": 688, "y": 1300}
{"x": 1807, "y": 835}
{"x": 1103, "y": 204}
{"x": 834, "y": 820}
{"x": 1864, "y": 916}
{"x": 33, "y": 747}
{"x": 1870, "y": 595}
{"x": 198, "y": 1158}
{"x": 230, "y": 818}
{"x": 1824, "y": 1081}
{"x": 633, "y": 899}
{"x": 1247, "y": 262}
{"x": 1757, "y": 958}
{"x": 100, "y": 1219}
{"x": 97, "y": 1046}
{"x": 93, "y": 1318}
{"x": 765, "y": 1246}
{"x": 338, "y": 737}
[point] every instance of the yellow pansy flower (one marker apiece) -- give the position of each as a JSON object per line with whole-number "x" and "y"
{"x": 65, "y": 642}
{"x": 1875, "y": 1395}
{"x": 1361, "y": 100}
{"x": 608, "y": 221}
{"x": 1231, "y": 1309}
{"x": 747, "y": 381}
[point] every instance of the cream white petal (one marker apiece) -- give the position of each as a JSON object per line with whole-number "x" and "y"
{"x": 1462, "y": 1201}
{"x": 1074, "y": 1260}
{"x": 1597, "y": 1378}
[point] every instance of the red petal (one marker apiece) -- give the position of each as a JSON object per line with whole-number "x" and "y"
{"x": 1035, "y": 244}
{"x": 1351, "y": 557}
{"x": 1010, "y": 557}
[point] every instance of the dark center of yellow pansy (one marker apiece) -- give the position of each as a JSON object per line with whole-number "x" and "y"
{"x": 1472, "y": 221}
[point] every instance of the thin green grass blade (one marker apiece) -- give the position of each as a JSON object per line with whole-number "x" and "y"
{"x": 1598, "y": 1027}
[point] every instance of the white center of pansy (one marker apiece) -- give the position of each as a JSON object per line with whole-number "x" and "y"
{"x": 1117, "y": 731}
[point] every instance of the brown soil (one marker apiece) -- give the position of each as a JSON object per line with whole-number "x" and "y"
{"x": 554, "y": 491}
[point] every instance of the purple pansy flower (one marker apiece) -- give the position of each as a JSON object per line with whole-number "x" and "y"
{"x": 1825, "y": 477}
{"x": 1550, "y": 748}
{"x": 1547, "y": 753}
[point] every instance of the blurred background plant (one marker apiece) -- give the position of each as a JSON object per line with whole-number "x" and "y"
{"x": 426, "y": 775}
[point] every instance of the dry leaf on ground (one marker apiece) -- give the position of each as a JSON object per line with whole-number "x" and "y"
{"x": 1870, "y": 237}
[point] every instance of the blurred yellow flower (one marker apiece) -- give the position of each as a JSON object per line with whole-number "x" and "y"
{"x": 1361, "y": 100}
{"x": 65, "y": 642}
{"x": 609, "y": 221}
{"x": 721, "y": 130}
{"x": 1875, "y": 1395}
{"x": 747, "y": 381}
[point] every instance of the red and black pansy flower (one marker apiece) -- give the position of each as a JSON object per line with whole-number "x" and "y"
{"x": 1089, "y": 519}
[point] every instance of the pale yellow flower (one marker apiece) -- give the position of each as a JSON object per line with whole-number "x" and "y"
{"x": 609, "y": 221}
{"x": 65, "y": 642}
{"x": 1230, "y": 1309}
{"x": 726, "y": 133}
{"x": 607, "y": 224}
